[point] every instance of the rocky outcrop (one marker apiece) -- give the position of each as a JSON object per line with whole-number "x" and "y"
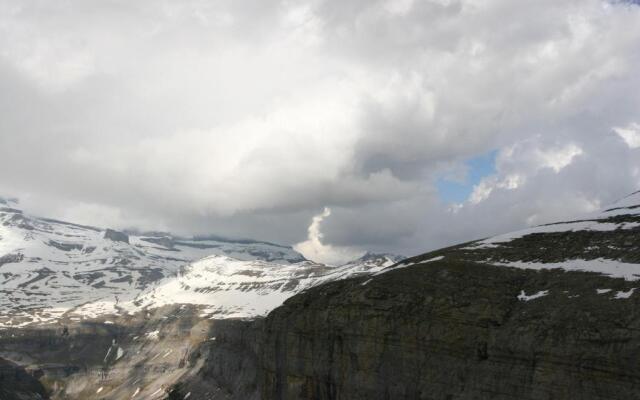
{"x": 166, "y": 353}
{"x": 456, "y": 330}
{"x": 231, "y": 364}
{"x": 116, "y": 236}
{"x": 18, "y": 384}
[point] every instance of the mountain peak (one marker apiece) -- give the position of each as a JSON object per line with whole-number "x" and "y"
{"x": 116, "y": 236}
{"x": 377, "y": 259}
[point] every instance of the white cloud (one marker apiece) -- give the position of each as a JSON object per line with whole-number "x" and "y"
{"x": 519, "y": 162}
{"x": 559, "y": 158}
{"x": 314, "y": 249}
{"x": 630, "y": 135}
{"x": 244, "y": 118}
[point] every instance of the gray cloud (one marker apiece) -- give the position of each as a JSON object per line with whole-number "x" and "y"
{"x": 248, "y": 118}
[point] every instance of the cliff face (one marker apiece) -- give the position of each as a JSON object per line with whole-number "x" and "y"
{"x": 549, "y": 312}
{"x": 18, "y": 384}
{"x": 457, "y": 330}
{"x": 136, "y": 356}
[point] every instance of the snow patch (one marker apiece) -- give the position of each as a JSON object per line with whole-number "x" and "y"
{"x": 613, "y": 268}
{"x": 229, "y": 288}
{"x": 408, "y": 264}
{"x": 524, "y": 297}
{"x": 624, "y": 295}
{"x": 153, "y": 335}
{"x": 107, "y": 355}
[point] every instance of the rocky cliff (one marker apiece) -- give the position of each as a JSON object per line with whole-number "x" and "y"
{"x": 457, "y": 330}
{"x": 550, "y": 312}
{"x": 18, "y": 384}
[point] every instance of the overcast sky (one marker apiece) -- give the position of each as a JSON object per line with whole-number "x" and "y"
{"x": 401, "y": 125}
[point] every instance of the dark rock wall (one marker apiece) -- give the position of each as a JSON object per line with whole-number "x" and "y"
{"x": 231, "y": 366}
{"x": 455, "y": 331}
{"x": 116, "y": 236}
{"x": 18, "y": 384}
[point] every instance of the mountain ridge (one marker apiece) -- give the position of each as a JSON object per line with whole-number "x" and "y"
{"x": 533, "y": 314}
{"x": 51, "y": 268}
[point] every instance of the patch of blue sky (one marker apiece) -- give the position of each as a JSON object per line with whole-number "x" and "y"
{"x": 456, "y": 190}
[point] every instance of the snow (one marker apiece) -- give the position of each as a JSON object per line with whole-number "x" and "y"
{"x": 99, "y": 390}
{"x": 624, "y": 295}
{"x": 231, "y": 288}
{"x": 591, "y": 222}
{"x": 562, "y": 227}
{"x": 626, "y": 205}
{"x": 524, "y": 297}
{"x": 136, "y": 393}
{"x": 64, "y": 268}
{"x": 107, "y": 355}
{"x": 602, "y": 291}
{"x": 153, "y": 335}
{"x": 119, "y": 354}
{"x": 612, "y": 268}
{"x": 408, "y": 264}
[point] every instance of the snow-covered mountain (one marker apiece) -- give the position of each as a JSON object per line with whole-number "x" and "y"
{"x": 605, "y": 242}
{"x": 49, "y": 268}
{"x": 230, "y": 288}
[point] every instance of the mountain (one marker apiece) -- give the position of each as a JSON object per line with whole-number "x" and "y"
{"x": 18, "y": 384}
{"x": 376, "y": 260}
{"x": 82, "y": 308}
{"x": 549, "y": 312}
{"x": 50, "y": 268}
{"x": 230, "y": 288}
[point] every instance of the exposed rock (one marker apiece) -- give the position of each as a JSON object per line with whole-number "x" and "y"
{"x": 164, "y": 241}
{"x": 76, "y": 359}
{"x": 455, "y": 330}
{"x": 116, "y": 236}
{"x": 231, "y": 364}
{"x": 17, "y": 384}
{"x": 65, "y": 246}
{"x": 11, "y": 258}
{"x": 452, "y": 324}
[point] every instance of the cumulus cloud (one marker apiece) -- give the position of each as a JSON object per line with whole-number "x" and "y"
{"x": 245, "y": 118}
{"x": 630, "y": 135}
{"x": 314, "y": 249}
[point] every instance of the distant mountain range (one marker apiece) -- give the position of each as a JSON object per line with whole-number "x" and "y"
{"x": 51, "y": 268}
{"x": 548, "y": 312}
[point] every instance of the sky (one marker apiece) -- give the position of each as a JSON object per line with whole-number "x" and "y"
{"x": 337, "y": 127}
